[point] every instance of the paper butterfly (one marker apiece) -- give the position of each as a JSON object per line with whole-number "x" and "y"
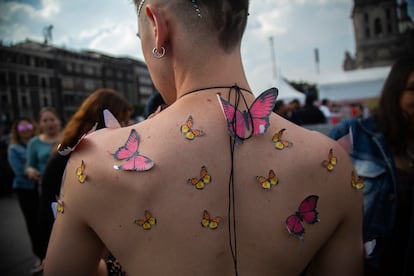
{"x": 134, "y": 160}
{"x": 269, "y": 182}
{"x": 80, "y": 173}
{"x": 110, "y": 120}
{"x": 331, "y": 162}
{"x": 306, "y": 212}
{"x": 357, "y": 183}
{"x": 279, "y": 143}
{"x": 188, "y": 130}
{"x": 148, "y": 222}
{"x": 201, "y": 182}
{"x": 208, "y": 222}
{"x": 57, "y": 207}
{"x": 68, "y": 150}
{"x": 254, "y": 121}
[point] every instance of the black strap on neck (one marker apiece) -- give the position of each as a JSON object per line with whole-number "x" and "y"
{"x": 235, "y": 87}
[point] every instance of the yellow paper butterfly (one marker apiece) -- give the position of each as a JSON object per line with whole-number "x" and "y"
{"x": 357, "y": 183}
{"x": 279, "y": 143}
{"x": 80, "y": 173}
{"x": 208, "y": 222}
{"x": 59, "y": 202}
{"x": 148, "y": 222}
{"x": 201, "y": 182}
{"x": 331, "y": 162}
{"x": 269, "y": 182}
{"x": 188, "y": 131}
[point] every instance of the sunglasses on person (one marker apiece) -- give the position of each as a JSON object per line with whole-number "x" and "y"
{"x": 22, "y": 127}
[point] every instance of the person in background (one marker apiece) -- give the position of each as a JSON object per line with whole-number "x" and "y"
{"x": 357, "y": 110}
{"x": 40, "y": 147}
{"x": 87, "y": 115}
{"x": 324, "y": 107}
{"x": 154, "y": 105}
{"x": 26, "y": 190}
{"x": 382, "y": 149}
{"x": 201, "y": 189}
{"x": 281, "y": 108}
{"x": 292, "y": 108}
{"x": 309, "y": 114}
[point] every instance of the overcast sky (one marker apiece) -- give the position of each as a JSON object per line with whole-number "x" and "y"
{"x": 297, "y": 27}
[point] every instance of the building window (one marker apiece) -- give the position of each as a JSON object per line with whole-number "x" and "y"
{"x": 44, "y": 84}
{"x": 22, "y": 80}
{"x": 366, "y": 18}
{"x": 24, "y": 102}
{"x": 12, "y": 78}
{"x": 367, "y": 33}
{"x": 388, "y": 13}
{"x": 89, "y": 84}
{"x": 378, "y": 26}
{"x": 33, "y": 80}
{"x": 3, "y": 78}
{"x": 4, "y": 99}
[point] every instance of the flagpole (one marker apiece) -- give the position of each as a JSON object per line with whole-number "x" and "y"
{"x": 273, "y": 55}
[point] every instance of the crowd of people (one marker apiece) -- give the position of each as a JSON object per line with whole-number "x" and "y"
{"x": 209, "y": 182}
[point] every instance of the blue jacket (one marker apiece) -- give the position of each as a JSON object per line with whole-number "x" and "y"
{"x": 372, "y": 160}
{"x": 17, "y": 156}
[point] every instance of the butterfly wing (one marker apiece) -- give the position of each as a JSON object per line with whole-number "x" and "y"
{"x": 110, "y": 120}
{"x": 272, "y": 178}
{"x": 356, "y": 181}
{"x": 331, "y": 162}
{"x": 136, "y": 163}
{"x": 264, "y": 182}
{"x": 205, "y": 177}
{"x": 80, "y": 172}
{"x": 54, "y": 208}
{"x": 307, "y": 209}
{"x": 205, "y": 222}
{"x": 129, "y": 148}
{"x": 186, "y": 127}
{"x": 295, "y": 226}
{"x": 196, "y": 182}
{"x": 260, "y": 110}
{"x": 279, "y": 143}
{"x": 149, "y": 218}
{"x": 236, "y": 123}
{"x": 214, "y": 223}
{"x": 332, "y": 159}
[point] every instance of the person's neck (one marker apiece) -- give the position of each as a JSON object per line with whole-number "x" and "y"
{"x": 49, "y": 137}
{"x": 25, "y": 140}
{"x": 218, "y": 71}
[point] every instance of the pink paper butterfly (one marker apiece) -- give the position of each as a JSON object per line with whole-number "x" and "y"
{"x": 254, "y": 121}
{"x": 134, "y": 160}
{"x": 110, "y": 120}
{"x": 307, "y": 212}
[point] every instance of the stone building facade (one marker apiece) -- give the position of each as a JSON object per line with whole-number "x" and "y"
{"x": 383, "y": 32}
{"x": 34, "y": 75}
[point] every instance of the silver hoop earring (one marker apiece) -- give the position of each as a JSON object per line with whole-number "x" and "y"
{"x": 158, "y": 55}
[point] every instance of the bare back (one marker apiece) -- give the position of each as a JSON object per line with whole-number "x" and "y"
{"x": 109, "y": 208}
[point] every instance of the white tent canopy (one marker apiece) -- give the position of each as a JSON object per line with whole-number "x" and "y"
{"x": 353, "y": 85}
{"x": 286, "y": 92}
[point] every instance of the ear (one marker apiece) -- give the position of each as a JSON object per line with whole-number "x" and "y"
{"x": 159, "y": 25}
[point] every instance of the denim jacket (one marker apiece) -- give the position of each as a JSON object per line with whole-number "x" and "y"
{"x": 372, "y": 160}
{"x": 16, "y": 155}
